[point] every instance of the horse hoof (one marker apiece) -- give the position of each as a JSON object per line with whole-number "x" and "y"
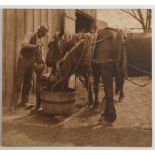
{"x": 103, "y": 121}
{"x": 90, "y": 107}
{"x": 95, "y": 106}
{"x": 110, "y": 117}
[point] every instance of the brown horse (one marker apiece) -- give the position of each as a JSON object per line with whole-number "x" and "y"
{"x": 58, "y": 47}
{"x": 107, "y": 62}
{"x": 111, "y": 62}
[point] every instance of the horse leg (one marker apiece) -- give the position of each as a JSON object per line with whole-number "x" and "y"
{"x": 119, "y": 87}
{"x": 109, "y": 112}
{"x": 87, "y": 85}
{"x": 96, "y": 90}
{"x": 121, "y": 96}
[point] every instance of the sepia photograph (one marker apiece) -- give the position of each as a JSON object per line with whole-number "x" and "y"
{"x": 77, "y": 77}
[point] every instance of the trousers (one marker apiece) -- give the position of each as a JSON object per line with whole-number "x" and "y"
{"x": 23, "y": 80}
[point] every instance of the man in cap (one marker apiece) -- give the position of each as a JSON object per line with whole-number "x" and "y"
{"x": 30, "y": 44}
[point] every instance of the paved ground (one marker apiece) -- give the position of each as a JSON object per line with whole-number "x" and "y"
{"x": 133, "y": 126}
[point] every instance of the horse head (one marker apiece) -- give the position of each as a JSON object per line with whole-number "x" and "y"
{"x": 54, "y": 49}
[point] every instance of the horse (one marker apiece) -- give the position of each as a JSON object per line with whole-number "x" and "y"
{"x": 107, "y": 62}
{"x": 57, "y": 48}
{"x": 111, "y": 62}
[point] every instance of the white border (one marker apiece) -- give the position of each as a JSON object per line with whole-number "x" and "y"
{"x": 89, "y": 6}
{"x": 77, "y": 152}
{"x": 1, "y": 75}
{"x": 153, "y": 78}
{"x": 77, "y": 2}
{"x": 96, "y": 7}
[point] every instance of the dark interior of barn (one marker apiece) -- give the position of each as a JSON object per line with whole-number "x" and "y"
{"x": 83, "y": 23}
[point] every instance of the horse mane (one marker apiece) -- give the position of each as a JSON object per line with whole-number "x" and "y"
{"x": 112, "y": 29}
{"x": 108, "y": 28}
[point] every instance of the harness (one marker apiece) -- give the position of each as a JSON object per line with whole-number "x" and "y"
{"x": 79, "y": 61}
{"x": 94, "y": 61}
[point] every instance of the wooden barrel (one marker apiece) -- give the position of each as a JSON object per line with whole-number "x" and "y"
{"x": 58, "y": 103}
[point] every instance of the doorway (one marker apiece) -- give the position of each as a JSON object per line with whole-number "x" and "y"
{"x": 83, "y": 23}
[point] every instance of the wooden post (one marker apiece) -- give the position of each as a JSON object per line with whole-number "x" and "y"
{"x": 10, "y": 42}
{"x": 20, "y": 29}
{"x": 37, "y": 19}
{"x": 4, "y": 83}
{"x": 44, "y": 20}
{"x": 29, "y": 20}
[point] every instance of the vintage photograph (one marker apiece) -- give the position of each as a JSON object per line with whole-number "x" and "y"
{"x": 77, "y": 77}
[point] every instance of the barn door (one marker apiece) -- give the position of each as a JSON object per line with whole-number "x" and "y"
{"x": 69, "y": 21}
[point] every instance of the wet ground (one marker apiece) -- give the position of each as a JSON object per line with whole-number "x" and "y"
{"x": 133, "y": 126}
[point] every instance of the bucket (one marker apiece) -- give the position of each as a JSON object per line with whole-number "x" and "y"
{"x": 59, "y": 102}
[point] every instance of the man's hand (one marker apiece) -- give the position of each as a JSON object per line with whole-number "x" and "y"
{"x": 39, "y": 45}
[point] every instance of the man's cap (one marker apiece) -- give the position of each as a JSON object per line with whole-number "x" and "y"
{"x": 44, "y": 28}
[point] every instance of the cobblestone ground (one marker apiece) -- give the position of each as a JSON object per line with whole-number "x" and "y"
{"x": 132, "y": 128}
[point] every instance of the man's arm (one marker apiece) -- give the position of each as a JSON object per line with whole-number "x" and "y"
{"x": 26, "y": 45}
{"x": 26, "y": 42}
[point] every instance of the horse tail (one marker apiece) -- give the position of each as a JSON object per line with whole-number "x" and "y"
{"x": 121, "y": 67}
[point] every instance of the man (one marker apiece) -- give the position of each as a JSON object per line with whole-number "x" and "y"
{"x": 31, "y": 43}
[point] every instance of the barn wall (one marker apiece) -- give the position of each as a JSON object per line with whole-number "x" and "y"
{"x": 69, "y": 21}
{"x": 17, "y": 22}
